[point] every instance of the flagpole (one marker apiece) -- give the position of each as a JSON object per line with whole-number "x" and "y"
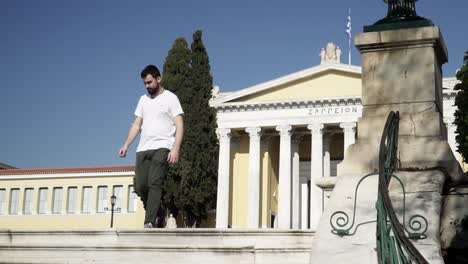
{"x": 349, "y": 37}
{"x": 349, "y": 51}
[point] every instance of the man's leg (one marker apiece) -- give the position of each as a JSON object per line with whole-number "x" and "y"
{"x": 140, "y": 179}
{"x": 156, "y": 174}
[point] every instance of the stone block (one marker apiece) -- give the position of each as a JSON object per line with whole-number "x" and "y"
{"x": 418, "y": 181}
{"x": 420, "y": 124}
{"x": 424, "y": 198}
{"x": 429, "y": 152}
{"x": 403, "y": 108}
{"x": 392, "y": 37}
{"x": 389, "y": 80}
{"x": 421, "y": 145}
{"x": 402, "y": 66}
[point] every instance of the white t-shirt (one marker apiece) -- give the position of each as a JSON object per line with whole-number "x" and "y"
{"x": 158, "y": 129}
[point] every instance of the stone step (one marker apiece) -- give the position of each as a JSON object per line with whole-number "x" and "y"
{"x": 161, "y": 245}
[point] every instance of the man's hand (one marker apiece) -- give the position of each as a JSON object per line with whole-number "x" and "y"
{"x": 123, "y": 151}
{"x": 132, "y": 133}
{"x": 173, "y": 156}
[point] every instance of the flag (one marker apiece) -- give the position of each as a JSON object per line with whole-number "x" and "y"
{"x": 348, "y": 25}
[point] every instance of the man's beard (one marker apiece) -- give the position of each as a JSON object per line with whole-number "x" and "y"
{"x": 153, "y": 92}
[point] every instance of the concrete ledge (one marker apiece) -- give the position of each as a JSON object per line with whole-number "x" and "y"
{"x": 402, "y": 38}
{"x": 161, "y": 245}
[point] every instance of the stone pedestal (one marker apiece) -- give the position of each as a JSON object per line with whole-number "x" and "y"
{"x": 402, "y": 71}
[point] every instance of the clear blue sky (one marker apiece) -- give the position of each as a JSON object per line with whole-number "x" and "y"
{"x": 69, "y": 70}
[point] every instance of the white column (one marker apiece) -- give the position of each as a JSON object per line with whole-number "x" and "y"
{"x": 284, "y": 188}
{"x": 349, "y": 134}
{"x": 451, "y": 128}
{"x": 222, "y": 202}
{"x": 265, "y": 188}
{"x": 304, "y": 205}
{"x": 326, "y": 163}
{"x": 326, "y": 155}
{"x": 316, "y": 171}
{"x": 253, "y": 203}
{"x": 296, "y": 216}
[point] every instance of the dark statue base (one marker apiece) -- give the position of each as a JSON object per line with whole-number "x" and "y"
{"x": 384, "y": 24}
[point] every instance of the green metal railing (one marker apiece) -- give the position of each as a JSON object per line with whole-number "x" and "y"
{"x": 393, "y": 246}
{"x": 393, "y": 239}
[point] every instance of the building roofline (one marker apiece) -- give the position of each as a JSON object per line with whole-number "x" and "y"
{"x": 67, "y": 170}
{"x": 4, "y": 166}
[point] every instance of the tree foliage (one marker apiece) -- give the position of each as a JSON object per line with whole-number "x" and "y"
{"x": 176, "y": 77}
{"x": 198, "y": 186}
{"x": 461, "y": 113}
{"x": 191, "y": 184}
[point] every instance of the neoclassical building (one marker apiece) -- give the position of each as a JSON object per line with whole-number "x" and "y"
{"x": 71, "y": 199}
{"x": 68, "y": 198}
{"x": 277, "y": 135}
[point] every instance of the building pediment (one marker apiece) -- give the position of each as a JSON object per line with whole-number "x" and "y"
{"x": 327, "y": 80}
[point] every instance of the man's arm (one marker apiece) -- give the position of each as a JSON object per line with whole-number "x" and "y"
{"x": 132, "y": 134}
{"x": 173, "y": 156}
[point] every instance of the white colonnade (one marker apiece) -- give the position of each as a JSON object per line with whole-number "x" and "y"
{"x": 291, "y": 197}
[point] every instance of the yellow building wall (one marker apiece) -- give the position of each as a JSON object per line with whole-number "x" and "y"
{"x": 239, "y": 183}
{"x": 327, "y": 84}
{"x": 64, "y": 220}
{"x": 234, "y": 149}
{"x": 273, "y": 177}
{"x": 269, "y": 167}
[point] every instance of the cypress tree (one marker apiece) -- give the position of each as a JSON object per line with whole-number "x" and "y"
{"x": 198, "y": 186}
{"x": 461, "y": 114}
{"x": 176, "y": 78}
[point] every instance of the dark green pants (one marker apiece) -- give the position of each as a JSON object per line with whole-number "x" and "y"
{"x": 150, "y": 171}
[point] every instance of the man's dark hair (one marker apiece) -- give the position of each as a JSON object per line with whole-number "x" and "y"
{"x": 151, "y": 70}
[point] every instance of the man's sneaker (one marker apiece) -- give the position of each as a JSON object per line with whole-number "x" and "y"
{"x": 148, "y": 225}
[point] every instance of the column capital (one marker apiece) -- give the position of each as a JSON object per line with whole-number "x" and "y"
{"x": 349, "y": 129}
{"x": 316, "y": 128}
{"x": 224, "y": 134}
{"x": 285, "y": 130}
{"x": 348, "y": 125}
{"x": 254, "y": 132}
